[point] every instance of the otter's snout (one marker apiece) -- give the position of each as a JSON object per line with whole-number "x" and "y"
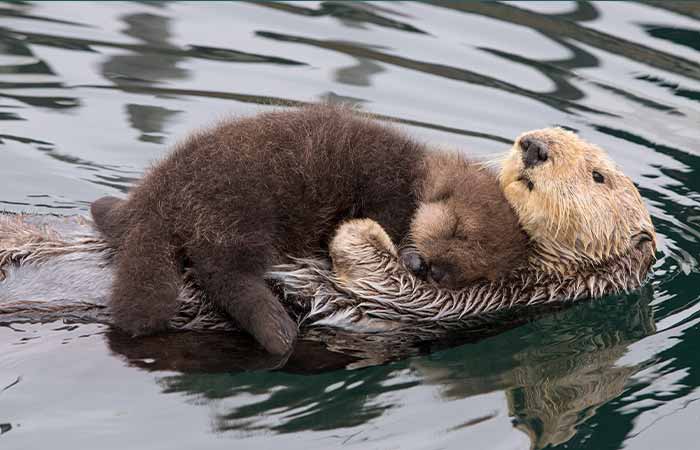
{"x": 414, "y": 262}
{"x": 438, "y": 274}
{"x": 421, "y": 269}
{"x": 534, "y": 151}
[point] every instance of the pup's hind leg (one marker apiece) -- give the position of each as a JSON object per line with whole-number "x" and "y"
{"x": 233, "y": 279}
{"x": 147, "y": 281}
{"x": 253, "y": 305}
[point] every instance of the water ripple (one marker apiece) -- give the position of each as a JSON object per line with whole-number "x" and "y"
{"x": 91, "y": 95}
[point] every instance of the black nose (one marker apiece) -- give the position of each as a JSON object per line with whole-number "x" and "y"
{"x": 534, "y": 151}
{"x": 414, "y": 262}
{"x": 437, "y": 273}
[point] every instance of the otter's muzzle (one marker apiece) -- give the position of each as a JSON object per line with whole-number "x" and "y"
{"x": 534, "y": 151}
{"x": 415, "y": 263}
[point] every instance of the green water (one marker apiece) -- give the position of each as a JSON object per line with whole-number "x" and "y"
{"x": 91, "y": 93}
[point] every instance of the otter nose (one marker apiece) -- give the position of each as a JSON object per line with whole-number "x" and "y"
{"x": 437, "y": 273}
{"x": 534, "y": 151}
{"x": 414, "y": 262}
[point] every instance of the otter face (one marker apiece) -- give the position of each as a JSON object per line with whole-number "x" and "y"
{"x": 442, "y": 254}
{"x": 463, "y": 229}
{"x": 572, "y": 200}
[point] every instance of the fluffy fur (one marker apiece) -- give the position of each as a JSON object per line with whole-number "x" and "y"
{"x": 463, "y": 225}
{"x": 234, "y": 200}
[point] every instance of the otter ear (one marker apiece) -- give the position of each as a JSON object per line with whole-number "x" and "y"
{"x": 641, "y": 238}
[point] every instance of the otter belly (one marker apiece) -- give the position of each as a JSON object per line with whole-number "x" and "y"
{"x": 59, "y": 268}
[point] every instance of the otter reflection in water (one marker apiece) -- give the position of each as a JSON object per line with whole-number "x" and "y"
{"x": 554, "y": 371}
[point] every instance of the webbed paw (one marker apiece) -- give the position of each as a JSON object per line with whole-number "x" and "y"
{"x": 355, "y": 245}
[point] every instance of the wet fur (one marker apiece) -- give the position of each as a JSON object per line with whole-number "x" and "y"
{"x": 574, "y": 222}
{"x": 236, "y": 199}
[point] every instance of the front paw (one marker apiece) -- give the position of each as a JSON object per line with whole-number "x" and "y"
{"x": 354, "y": 246}
{"x": 358, "y": 232}
{"x": 140, "y": 327}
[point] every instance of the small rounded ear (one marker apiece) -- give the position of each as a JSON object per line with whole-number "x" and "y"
{"x": 641, "y": 238}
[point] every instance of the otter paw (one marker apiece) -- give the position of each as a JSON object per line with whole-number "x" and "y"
{"x": 361, "y": 232}
{"x": 277, "y": 334}
{"x": 140, "y": 328}
{"x": 138, "y": 321}
{"x": 354, "y": 245}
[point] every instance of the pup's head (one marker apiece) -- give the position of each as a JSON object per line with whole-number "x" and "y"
{"x": 464, "y": 229}
{"x": 575, "y": 204}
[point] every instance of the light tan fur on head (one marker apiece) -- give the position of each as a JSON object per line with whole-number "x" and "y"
{"x": 577, "y": 206}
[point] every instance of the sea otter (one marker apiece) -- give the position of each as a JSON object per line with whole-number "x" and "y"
{"x": 232, "y": 201}
{"x": 590, "y": 236}
{"x": 58, "y": 268}
{"x": 580, "y": 212}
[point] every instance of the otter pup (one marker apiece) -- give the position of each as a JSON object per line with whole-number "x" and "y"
{"x": 236, "y": 199}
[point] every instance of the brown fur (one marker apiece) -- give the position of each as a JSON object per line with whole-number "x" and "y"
{"x": 464, "y": 225}
{"x": 238, "y": 198}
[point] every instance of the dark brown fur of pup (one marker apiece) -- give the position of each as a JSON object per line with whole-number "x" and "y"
{"x": 235, "y": 199}
{"x": 464, "y": 228}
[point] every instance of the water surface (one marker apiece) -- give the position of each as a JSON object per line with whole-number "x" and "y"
{"x": 92, "y": 93}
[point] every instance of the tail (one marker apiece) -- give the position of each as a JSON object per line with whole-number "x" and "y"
{"x": 110, "y": 219}
{"x": 147, "y": 280}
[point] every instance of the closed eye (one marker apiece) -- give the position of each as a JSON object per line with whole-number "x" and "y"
{"x": 442, "y": 196}
{"x": 458, "y": 230}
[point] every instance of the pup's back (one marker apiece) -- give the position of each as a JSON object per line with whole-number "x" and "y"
{"x": 237, "y": 198}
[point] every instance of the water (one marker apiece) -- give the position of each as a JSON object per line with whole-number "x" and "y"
{"x": 91, "y": 93}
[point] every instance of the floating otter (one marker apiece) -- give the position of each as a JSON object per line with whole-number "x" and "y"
{"x": 232, "y": 201}
{"x": 590, "y": 235}
{"x": 58, "y": 267}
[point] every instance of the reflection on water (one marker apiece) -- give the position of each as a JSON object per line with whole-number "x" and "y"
{"x": 91, "y": 94}
{"x": 146, "y": 68}
{"x": 558, "y": 383}
{"x": 554, "y": 372}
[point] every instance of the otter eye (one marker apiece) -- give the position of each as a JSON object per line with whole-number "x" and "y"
{"x": 598, "y": 177}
